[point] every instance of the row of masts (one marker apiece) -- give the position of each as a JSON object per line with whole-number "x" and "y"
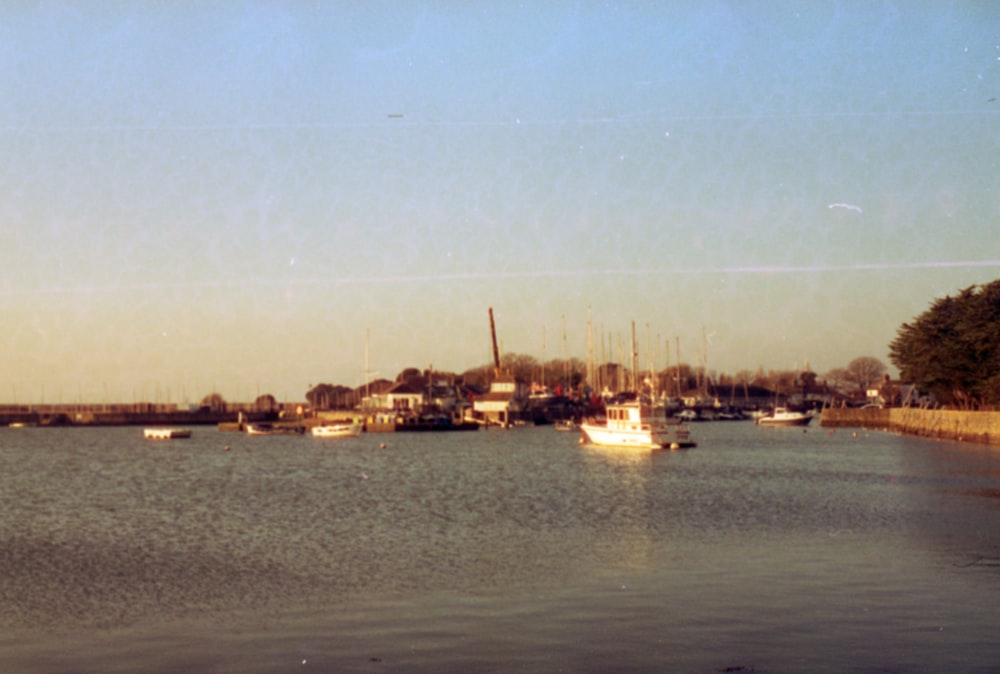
{"x": 626, "y": 380}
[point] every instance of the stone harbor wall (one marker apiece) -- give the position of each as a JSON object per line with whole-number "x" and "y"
{"x": 959, "y": 425}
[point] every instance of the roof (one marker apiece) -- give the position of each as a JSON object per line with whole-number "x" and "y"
{"x": 403, "y": 388}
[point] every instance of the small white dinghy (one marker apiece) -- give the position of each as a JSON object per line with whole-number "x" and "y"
{"x": 166, "y": 433}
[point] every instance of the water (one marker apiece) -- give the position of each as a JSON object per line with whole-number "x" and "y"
{"x": 770, "y": 550}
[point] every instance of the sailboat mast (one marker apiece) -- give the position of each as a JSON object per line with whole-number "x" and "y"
{"x": 635, "y": 362}
{"x": 704, "y": 364}
{"x": 677, "y": 352}
{"x": 496, "y": 351}
{"x": 543, "y": 357}
{"x": 590, "y": 350}
{"x": 566, "y": 372}
{"x": 368, "y": 335}
{"x": 649, "y": 356}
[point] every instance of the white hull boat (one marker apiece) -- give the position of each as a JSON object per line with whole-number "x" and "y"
{"x": 639, "y": 425}
{"x": 782, "y": 416}
{"x": 166, "y": 433}
{"x": 349, "y": 430}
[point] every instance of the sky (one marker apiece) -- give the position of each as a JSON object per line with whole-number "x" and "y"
{"x": 256, "y": 197}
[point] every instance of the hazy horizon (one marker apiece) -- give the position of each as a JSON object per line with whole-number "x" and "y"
{"x": 230, "y": 197}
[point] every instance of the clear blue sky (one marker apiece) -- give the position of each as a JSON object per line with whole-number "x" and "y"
{"x": 227, "y": 196}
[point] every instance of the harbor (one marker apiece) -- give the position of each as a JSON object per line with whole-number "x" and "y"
{"x": 764, "y": 549}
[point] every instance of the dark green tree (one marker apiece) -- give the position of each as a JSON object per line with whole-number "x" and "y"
{"x": 214, "y": 402}
{"x": 328, "y": 396}
{"x": 266, "y": 403}
{"x": 953, "y": 348}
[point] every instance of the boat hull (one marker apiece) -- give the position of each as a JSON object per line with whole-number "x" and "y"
{"x": 337, "y": 431}
{"x": 166, "y": 433}
{"x": 419, "y": 426}
{"x": 784, "y": 421}
{"x": 668, "y": 437}
{"x": 269, "y": 429}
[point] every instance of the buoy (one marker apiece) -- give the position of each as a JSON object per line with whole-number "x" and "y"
{"x": 382, "y": 445}
{"x": 227, "y": 448}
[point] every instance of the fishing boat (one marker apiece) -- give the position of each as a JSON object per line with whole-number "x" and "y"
{"x": 566, "y": 425}
{"x": 264, "y": 428}
{"x": 166, "y": 433}
{"x": 351, "y": 429}
{"x": 782, "y": 416}
{"x": 637, "y": 424}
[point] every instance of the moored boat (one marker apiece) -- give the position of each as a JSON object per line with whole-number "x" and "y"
{"x": 345, "y": 430}
{"x": 382, "y": 423}
{"x": 637, "y": 424}
{"x": 782, "y": 416}
{"x": 688, "y": 415}
{"x": 264, "y": 428}
{"x": 166, "y": 433}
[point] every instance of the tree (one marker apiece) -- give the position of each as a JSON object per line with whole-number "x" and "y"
{"x": 953, "y": 348}
{"x": 864, "y": 371}
{"x": 839, "y": 380}
{"x": 265, "y": 403}
{"x": 408, "y": 374}
{"x": 328, "y": 396}
{"x": 478, "y": 376}
{"x": 214, "y": 402}
{"x": 854, "y": 380}
{"x": 521, "y": 366}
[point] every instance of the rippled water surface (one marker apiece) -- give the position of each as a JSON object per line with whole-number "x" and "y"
{"x": 770, "y": 550}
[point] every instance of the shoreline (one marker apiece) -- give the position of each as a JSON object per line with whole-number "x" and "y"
{"x": 957, "y": 425}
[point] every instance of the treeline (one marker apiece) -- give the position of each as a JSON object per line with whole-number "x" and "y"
{"x": 952, "y": 350}
{"x": 570, "y": 377}
{"x": 855, "y": 377}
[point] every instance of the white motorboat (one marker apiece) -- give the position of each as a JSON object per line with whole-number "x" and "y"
{"x": 345, "y": 430}
{"x": 637, "y": 424}
{"x": 688, "y": 415}
{"x": 782, "y": 416}
{"x": 166, "y": 433}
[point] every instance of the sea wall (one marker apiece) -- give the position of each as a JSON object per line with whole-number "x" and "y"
{"x": 959, "y": 425}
